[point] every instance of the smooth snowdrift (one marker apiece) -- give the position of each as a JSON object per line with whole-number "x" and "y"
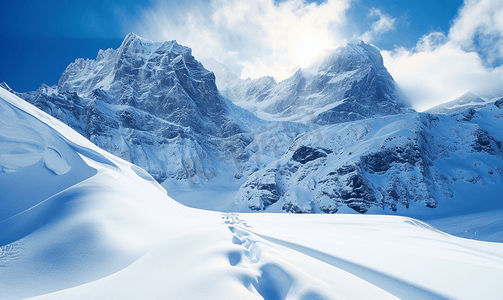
{"x": 79, "y": 223}
{"x": 308, "y": 257}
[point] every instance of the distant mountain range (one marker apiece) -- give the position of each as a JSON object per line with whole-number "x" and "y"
{"x": 149, "y": 103}
{"x": 334, "y": 137}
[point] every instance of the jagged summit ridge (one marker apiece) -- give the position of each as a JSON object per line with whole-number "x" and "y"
{"x": 85, "y": 75}
{"x": 348, "y": 57}
{"x": 163, "y": 79}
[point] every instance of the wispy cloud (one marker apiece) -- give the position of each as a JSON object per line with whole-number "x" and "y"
{"x": 385, "y": 23}
{"x": 479, "y": 27}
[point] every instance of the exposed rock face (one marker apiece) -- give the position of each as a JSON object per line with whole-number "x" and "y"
{"x": 384, "y": 163}
{"x": 306, "y": 154}
{"x": 346, "y": 185}
{"x": 262, "y": 190}
{"x": 483, "y": 142}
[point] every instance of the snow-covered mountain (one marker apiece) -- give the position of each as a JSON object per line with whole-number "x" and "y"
{"x": 162, "y": 79}
{"x": 79, "y": 223}
{"x": 152, "y": 104}
{"x": 349, "y": 83}
{"x": 415, "y": 164}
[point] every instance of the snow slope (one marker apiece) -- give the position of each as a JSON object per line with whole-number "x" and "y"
{"x": 79, "y": 223}
{"x": 70, "y": 212}
{"x": 308, "y": 257}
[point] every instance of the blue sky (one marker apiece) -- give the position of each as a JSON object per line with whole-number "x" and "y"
{"x": 40, "y": 38}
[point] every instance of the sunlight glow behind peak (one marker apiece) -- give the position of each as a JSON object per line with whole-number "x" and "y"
{"x": 270, "y": 38}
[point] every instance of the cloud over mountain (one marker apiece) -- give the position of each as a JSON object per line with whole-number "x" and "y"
{"x": 265, "y": 37}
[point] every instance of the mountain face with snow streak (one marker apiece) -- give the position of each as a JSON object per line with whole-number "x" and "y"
{"x": 152, "y": 104}
{"x": 350, "y": 83}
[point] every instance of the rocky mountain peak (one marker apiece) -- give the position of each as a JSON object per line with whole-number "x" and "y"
{"x": 349, "y": 83}
{"x": 162, "y": 79}
{"x": 150, "y": 103}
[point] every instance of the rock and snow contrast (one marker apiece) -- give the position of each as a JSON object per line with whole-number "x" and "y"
{"x": 334, "y": 137}
{"x": 79, "y": 223}
{"x": 409, "y": 163}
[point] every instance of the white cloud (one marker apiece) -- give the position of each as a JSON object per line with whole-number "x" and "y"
{"x": 479, "y": 27}
{"x": 254, "y": 38}
{"x": 441, "y": 68}
{"x": 384, "y": 24}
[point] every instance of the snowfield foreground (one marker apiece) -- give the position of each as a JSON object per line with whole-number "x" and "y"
{"x": 79, "y": 223}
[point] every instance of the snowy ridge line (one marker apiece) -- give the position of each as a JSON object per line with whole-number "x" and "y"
{"x": 421, "y": 224}
{"x": 82, "y": 146}
{"x": 57, "y": 127}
